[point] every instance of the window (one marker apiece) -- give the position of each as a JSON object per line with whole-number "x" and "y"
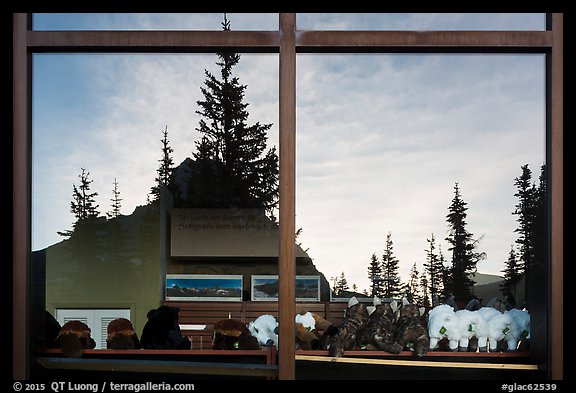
{"x": 288, "y": 43}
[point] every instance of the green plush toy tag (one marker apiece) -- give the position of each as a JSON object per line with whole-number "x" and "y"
{"x": 471, "y": 327}
{"x": 506, "y": 330}
{"x": 442, "y": 330}
{"x": 236, "y": 345}
{"x": 309, "y": 328}
{"x": 410, "y": 346}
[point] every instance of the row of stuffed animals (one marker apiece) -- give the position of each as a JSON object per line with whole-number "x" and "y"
{"x": 390, "y": 327}
{"x": 161, "y": 331}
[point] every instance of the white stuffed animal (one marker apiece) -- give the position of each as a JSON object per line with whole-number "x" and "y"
{"x": 265, "y": 329}
{"x": 443, "y": 323}
{"x": 472, "y": 326}
{"x": 522, "y": 318}
{"x": 502, "y": 328}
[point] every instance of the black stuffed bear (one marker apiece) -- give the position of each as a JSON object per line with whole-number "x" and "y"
{"x": 162, "y": 331}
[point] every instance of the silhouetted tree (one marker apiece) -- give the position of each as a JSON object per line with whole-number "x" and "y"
{"x": 532, "y": 236}
{"x": 525, "y": 210}
{"x": 164, "y": 173}
{"x": 83, "y": 204}
{"x": 390, "y": 270}
{"x": 233, "y": 167}
{"x": 116, "y": 202}
{"x": 341, "y": 284}
{"x": 464, "y": 257}
{"x": 412, "y": 287}
{"x": 512, "y": 273}
{"x": 424, "y": 287}
{"x": 375, "y": 277}
{"x": 433, "y": 266}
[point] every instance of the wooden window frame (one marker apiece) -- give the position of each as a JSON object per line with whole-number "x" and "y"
{"x": 287, "y": 41}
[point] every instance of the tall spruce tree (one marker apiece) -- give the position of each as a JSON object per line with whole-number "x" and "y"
{"x": 424, "y": 287}
{"x": 531, "y": 241}
{"x": 413, "y": 286}
{"x": 539, "y": 230}
{"x": 375, "y": 277}
{"x": 164, "y": 173}
{"x": 525, "y": 209}
{"x": 233, "y": 167}
{"x": 512, "y": 274}
{"x": 463, "y": 245}
{"x": 116, "y": 201}
{"x": 341, "y": 284}
{"x": 83, "y": 205}
{"x": 435, "y": 269}
{"x": 390, "y": 270}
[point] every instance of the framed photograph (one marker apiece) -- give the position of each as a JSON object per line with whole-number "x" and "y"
{"x": 204, "y": 287}
{"x": 265, "y": 288}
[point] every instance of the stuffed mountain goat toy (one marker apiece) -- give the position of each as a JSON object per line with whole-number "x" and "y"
{"x": 379, "y": 332}
{"x": 342, "y": 337}
{"x": 411, "y": 333}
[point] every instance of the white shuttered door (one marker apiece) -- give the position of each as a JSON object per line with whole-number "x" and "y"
{"x": 96, "y": 319}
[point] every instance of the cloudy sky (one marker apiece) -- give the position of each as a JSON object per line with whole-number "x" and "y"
{"x": 381, "y": 139}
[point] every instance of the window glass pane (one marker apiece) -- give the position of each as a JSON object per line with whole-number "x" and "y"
{"x": 153, "y": 21}
{"x": 421, "y": 21}
{"x": 383, "y": 140}
{"x": 104, "y": 128}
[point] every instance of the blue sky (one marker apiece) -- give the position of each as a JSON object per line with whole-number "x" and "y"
{"x": 381, "y": 139}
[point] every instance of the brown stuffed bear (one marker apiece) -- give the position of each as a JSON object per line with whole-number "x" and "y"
{"x": 74, "y": 337}
{"x": 233, "y": 334}
{"x": 310, "y": 329}
{"x": 121, "y": 335}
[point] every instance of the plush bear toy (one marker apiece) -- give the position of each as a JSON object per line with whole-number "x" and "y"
{"x": 310, "y": 330}
{"x": 265, "y": 329}
{"x": 410, "y": 332}
{"x": 162, "y": 331}
{"x": 233, "y": 334}
{"x": 341, "y": 337}
{"x": 74, "y": 337}
{"x": 378, "y": 334}
{"x": 121, "y": 335}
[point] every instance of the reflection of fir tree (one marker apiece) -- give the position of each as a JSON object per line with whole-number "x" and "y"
{"x": 464, "y": 257}
{"x": 433, "y": 266}
{"x": 390, "y": 269}
{"x": 512, "y": 274}
{"x": 233, "y": 167}
{"x": 83, "y": 205}
{"x": 412, "y": 287}
{"x": 164, "y": 173}
{"x": 375, "y": 277}
{"x": 532, "y": 236}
